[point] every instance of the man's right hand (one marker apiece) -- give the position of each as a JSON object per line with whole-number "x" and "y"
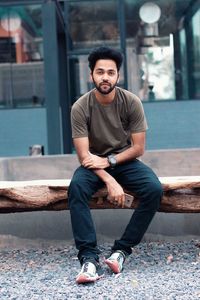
{"x": 115, "y": 192}
{"x": 97, "y": 165}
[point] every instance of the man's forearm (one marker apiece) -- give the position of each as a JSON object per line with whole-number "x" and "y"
{"x": 114, "y": 189}
{"x": 103, "y": 175}
{"x": 95, "y": 162}
{"x": 129, "y": 154}
{"x": 136, "y": 150}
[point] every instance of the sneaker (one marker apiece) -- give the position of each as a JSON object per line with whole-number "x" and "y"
{"x": 115, "y": 261}
{"x": 88, "y": 273}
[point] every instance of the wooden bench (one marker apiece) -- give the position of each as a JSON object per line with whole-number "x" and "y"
{"x": 181, "y": 195}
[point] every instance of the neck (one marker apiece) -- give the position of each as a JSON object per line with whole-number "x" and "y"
{"x": 105, "y": 99}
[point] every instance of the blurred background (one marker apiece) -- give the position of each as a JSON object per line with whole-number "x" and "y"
{"x": 44, "y": 47}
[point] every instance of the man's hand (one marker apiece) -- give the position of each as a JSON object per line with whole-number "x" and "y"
{"x": 115, "y": 192}
{"x": 95, "y": 162}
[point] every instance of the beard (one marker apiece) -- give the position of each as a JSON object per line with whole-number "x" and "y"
{"x": 104, "y": 87}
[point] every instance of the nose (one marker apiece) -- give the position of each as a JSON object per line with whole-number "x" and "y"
{"x": 105, "y": 76}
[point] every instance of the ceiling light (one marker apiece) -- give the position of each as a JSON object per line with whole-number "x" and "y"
{"x": 150, "y": 12}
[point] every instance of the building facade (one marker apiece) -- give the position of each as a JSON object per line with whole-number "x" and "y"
{"x": 43, "y": 67}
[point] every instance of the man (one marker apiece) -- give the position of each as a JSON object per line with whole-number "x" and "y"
{"x": 108, "y": 130}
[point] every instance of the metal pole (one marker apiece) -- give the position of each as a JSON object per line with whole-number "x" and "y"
{"x": 52, "y": 82}
{"x": 122, "y": 30}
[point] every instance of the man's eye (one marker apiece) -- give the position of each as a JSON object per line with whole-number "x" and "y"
{"x": 111, "y": 73}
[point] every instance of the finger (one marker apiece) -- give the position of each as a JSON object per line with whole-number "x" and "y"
{"x": 84, "y": 163}
{"x": 123, "y": 201}
{"x": 91, "y": 167}
{"x": 111, "y": 199}
{"x": 86, "y": 159}
{"x": 88, "y": 165}
{"x": 114, "y": 200}
{"x": 120, "y": 202}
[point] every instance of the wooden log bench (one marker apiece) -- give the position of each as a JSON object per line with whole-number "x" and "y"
{"x": 181, "y": 195}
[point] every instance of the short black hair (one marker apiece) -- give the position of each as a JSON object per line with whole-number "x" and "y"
{"x": 104, "y": 53}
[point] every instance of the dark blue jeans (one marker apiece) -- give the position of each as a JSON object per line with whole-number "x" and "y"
{"x": 134, "y": 176}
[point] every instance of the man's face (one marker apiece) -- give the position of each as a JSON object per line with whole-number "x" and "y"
{"x": 105, "y": 75}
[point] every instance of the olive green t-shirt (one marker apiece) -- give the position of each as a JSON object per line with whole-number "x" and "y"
{"x": 108, "y": 127}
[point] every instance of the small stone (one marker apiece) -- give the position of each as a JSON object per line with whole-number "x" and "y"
{"x": 170, "y": 259}
{"x": 134, "y": 283}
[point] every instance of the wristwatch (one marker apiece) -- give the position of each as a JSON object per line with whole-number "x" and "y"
{"x": 112, "y": 161}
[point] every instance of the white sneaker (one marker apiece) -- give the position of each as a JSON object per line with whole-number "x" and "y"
{"x": 115, "y": 261}
{"x": 88, "y": 273}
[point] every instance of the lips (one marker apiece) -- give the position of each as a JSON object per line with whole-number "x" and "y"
{"x": 104, "y": 83}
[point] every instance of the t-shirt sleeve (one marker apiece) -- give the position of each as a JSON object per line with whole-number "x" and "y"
{"x": 78, "y": 122}
{"x": 137, "y": 119}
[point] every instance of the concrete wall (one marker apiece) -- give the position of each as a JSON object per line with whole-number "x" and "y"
{"x": 21, "y": 128}
{"x": 177, "y": 162}
{"x": 56, "y": 225}
{"x": 173, "y": 124}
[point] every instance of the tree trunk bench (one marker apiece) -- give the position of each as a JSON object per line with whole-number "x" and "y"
{"x": 181, "y": 195}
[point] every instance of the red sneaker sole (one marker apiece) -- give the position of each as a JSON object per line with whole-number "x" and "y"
{"x": 85, "y": 279}
{"x": 113, "y": 266}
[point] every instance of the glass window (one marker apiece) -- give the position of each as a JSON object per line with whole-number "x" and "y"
{"x": 21, "y": 56}
{"x": 92, "y": 23}
{"x": 157, "y": 34}
{"x": 153, "y": 79}
{"x": 151, "y": 29}
{"x": 196, "y": 54}
{"x": 183, "y": 64}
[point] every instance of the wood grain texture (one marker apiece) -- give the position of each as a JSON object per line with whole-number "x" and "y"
{"x": 181, "y": 195}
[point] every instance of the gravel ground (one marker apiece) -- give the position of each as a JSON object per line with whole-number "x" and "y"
{"x": 47, "y": 270}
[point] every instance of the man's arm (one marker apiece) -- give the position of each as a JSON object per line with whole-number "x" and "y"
{"x": 136, "y": 150}
{"x": 98, "y": 164}
{"x": 115, "y": 190}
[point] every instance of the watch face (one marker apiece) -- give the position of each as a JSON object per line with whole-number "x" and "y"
{"x": 112, "y": 160}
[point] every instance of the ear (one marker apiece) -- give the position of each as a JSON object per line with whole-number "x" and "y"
{"x": 91, "y": 77}
{"x": 118, "y": 77}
